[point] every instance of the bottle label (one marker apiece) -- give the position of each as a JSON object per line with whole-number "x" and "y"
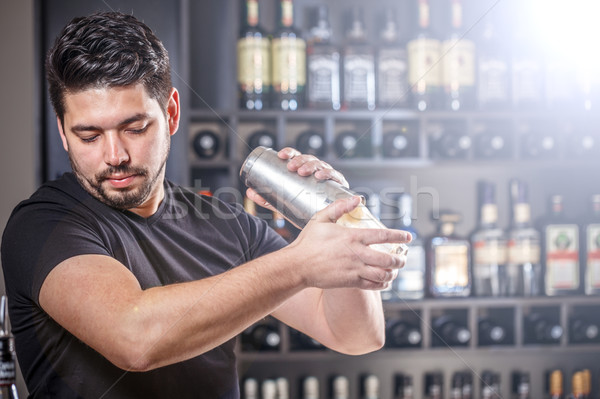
{"x": 451, "y": 268}
{"x": 423, "y": 62}
{"x": 493, "y": 80}
{"x": 489, "y": 213}
{"x": 254, "y": 65}
{"x": 522, "y": 213}
{"x": 489, "y": 252}
{"x": 562, "y": 256}
{"x": 359, "y": 77}
{"x": 593, "y": 256}
{"x": 393, "y": 76}
{"x": 324, "y": 78}
{"x": 458, "y": 63}
{"x": 412, "y": 277}
{"x": 523, "y": 251}
{"x": 7, "y": 373}
{"x": 289, "y": 63}
{"x": 527, "y": 80}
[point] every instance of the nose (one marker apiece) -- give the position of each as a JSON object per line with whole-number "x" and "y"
{"x": 115, "y": 152}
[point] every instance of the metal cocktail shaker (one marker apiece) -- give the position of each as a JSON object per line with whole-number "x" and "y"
{"x": 298, "y": 198}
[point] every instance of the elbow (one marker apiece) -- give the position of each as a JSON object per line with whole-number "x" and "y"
{"x": 132, "y": 356}
{"x": 370, "y": 344}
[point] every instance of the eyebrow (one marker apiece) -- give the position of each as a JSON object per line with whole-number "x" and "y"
{"x": 92, "y": 128}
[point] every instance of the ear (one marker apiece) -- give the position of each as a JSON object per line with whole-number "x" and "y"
{"x": 173, "y": 111}
{"x": 62, "y": 134}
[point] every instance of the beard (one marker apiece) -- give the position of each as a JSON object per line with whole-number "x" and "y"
{"x": 124, "y": 198}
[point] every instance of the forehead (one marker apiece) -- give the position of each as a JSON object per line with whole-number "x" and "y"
{"x": 107, "y": 103}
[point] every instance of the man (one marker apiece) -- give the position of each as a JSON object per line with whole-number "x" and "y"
{"x": 122, "y": 284}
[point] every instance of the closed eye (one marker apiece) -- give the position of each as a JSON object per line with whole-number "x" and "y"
{"x": 138, "y": 131}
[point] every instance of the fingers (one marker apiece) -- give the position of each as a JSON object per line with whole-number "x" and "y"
{"x": 336, "y": 209}
{"x": 381, "y": 236}
{"x": 258, "y": 199}
{"x": 306, "y": 165}
{"x": 288, "y": 153}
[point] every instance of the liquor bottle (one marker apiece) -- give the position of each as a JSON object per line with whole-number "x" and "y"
{"x": 555, "y": 385}
{"x": 370, "y": 387}
{"x": 450, "y": 143}
{"x": 269, "y": 389}
{"x": 264, "y": 138}
{"x": 254, "y": 62}
{"x": 206, "y": 144}
{"x": 523, "y": 270}
{"x": 587, "y": 383}
{"x": 310, "y": 388}
{"x": 521, "y": 385}
{"x": 323, "y": 64}
{"x": 492, "y": 143}
{"x": 450, "y": 331}
{"x": 288, "y": 52}
{"x": 489, "y": 247}
{"x": 467, "y": 389}
{"x": 583, "y": 330}
{"x": 583, "y": 145}
{"x": 541, "y": 329}
{"x": 458, "y": 64}
{"x": 311, "y": 142}
{"x": 283, "y": 388}
{"x": 261, "y": 336}
{"x": 302, "y": 342}
{"x": 490, "y": 332}
{"x": 434, "y": 386}
{"x": 424, "y": 74}
{"x": 352, "y": 144}
{"x": 400, "y": 143}
{"x": 577, "y": 386}
{"x": 402, "y": 334}
{"x": 487, "y": 385}
{"x": 448, "y": 260}
{"x": 250, "y": 388}
{"x": 410, "y": 283}
{"x": 493, "y": 72}
{"x": 8, "y": 375}
{"x": 457, "y": 386}
{"x": 392, "y": 65}
{"x": 591, "y": 231}
{"x": 404, "y": 388}
{"x": 340, "y": 388}
{"x": 527, "y": 77}
{"x": 539, "y": 144}
{"x": 560, "y": 251}
{"x": 358, "y": 65}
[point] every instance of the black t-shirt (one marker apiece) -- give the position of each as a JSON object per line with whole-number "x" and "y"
{"x": 190, "y": 237}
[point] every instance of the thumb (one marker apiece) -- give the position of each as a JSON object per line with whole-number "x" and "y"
{"x": 337, "y": 209}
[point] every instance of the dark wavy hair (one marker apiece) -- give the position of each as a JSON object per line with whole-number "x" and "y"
{"x": 107, "y": 49}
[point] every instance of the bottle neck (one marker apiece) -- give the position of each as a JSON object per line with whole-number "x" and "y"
{"x": 456, "y": 14}
{"x": 252, "y": 13}
{"x": 286, "y": 10}
{"x": 489, "y": 215}
{"x": 423, "y": 14}
{"x": 522, "y": 214}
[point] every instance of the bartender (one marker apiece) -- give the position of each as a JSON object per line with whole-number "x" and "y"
{"x": 122, "y": 284}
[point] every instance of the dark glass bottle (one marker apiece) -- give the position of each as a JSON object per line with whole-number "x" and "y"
{"x": 340, "y": 388}
{"x": 560, "y": 251}
{"x": 369, "y": 387}
{"x": 311, "y": 142}
{"x": 489, "y": 246}
{"x": 490, "y": 332}
{"x": 424, "y": 72}
{"x": 400, "y": 143}
{"x": 261, "y": 337}
{"x": 265, "y": 138}
{"x": 541, "y": 329}
{"x": 457, "y": 386}
{"x": 450, "y": 143}
{"x": 555, "y": 385}
{"x": 583, "y": 330}
{"x": 288, "y": 52}
{"x": 458, "y": 64}
{"x": 434, "y": 386}
{"x": 254, "y": 62}
{"x": 450, "y": 331}
{"x": 206, "y": 144}
{"x": 410, "y": 283}
{"x": 490, "y": 385}
{"x": 539, "y": 143}
{"x": 323, "y": 64}
{"x": 402, "y": 334}
{"x": 521, "y": 385}
{"x": 523, "y": 270}
{"x": 591, "y": 246}
{"x": 493, "y": 70}
{"x": 492, "y": 143}
{"x": 358, "y": 64}
{"x": 392, "y": 65}
{"x": 352, "y": 144}
{"x": 404, "y": 388}
{"x": 448, "y": 260}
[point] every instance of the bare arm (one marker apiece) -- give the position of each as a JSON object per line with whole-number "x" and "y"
{"x": 99, "y": 301}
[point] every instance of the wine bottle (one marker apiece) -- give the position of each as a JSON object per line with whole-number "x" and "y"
{"x": 539, "y": 144}
{"x": 358, "y": 64}
{"x": 577, "y": 386}
{"x": 206, "y": 144}
{"x": 311, "y": 142}
{"x": 489, "y": 247}
{"x": 541, "y": 329}
{"x": 352, "y": 144}
{"x": 400, "y": 143}
{"x": 583, "y": 330}
{"x": 583, "y": 145}
{"x": 310, "y": 388}
{"x": 434, "y": 386}
{"x": 323, "y": 64}
{"x": 490, "y": 332}
{"x": 282, "y": 388}
{"x": 560, "y": 251}
{"x": 450, "y": 331}
{"x": 370, "y": 387}
{"x": 424, "y": 74}
{"x": 254, "y": 62}
{"x": 467, "y": 389}
{"x": 261, "y": 336}
{"x": 250, "y": 388}
{"x": 450, "y": 143}
{"x": 410, "y": 283}
{"x": 555, "y": 385}
{"x": 340, "y": 387}
{"x": 523, "y": 270}
{"x": 457, "y": 386}
{"x": 448, "y": 260}
{"x": 492, "y": 143}
{"x": 404, "y": 388}
{"x": 402, "y": 334}
{"x": 493, "y": 72}
{"x": 264, "y": 138}
{"x": 392, "y": 65}
{"x": 269, "y": 389}
{"x": 288, "y": 51}
{"x": 521, "y": 385}
{"x": 458, "y": 64}
{"x": 591, "y": 230}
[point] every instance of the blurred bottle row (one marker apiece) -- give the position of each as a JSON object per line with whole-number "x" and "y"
{"x": 455, "y": 66}
{"x": 462, "y": 386}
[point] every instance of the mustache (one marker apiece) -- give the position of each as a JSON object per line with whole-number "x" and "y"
{"x": 121, "y": 169}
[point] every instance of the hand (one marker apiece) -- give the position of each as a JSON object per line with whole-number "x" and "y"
{"x": 337, "y": 257}
{"x": 304, "y": 165}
